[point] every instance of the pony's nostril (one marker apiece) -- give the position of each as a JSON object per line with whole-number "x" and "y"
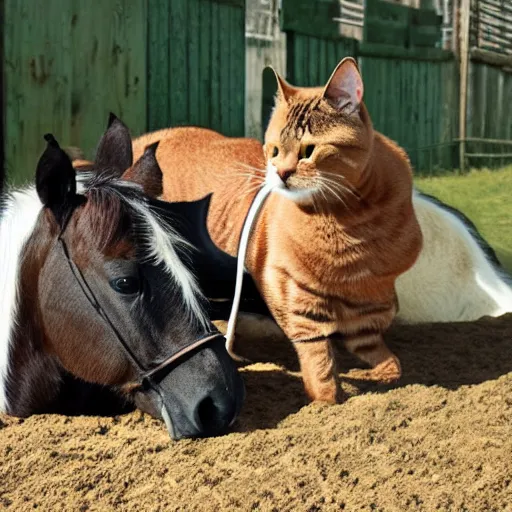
{"x": 210, "y": 418}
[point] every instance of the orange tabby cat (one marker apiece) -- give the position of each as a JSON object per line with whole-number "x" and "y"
{"x": 332, "y": 238}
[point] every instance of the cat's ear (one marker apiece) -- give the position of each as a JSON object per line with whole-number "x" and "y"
{"x": 284, "y": 90}
{"x": 344, "y": 90}
{"x": 146, "y": 172}
{"x": 115, "y": 147}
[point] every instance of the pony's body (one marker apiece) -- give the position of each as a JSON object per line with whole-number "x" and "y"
{"x": 457, "y": 276}
{"x": 97, "y": 294}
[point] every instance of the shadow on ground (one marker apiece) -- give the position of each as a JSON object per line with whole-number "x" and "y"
{"x": 446, "y": 355}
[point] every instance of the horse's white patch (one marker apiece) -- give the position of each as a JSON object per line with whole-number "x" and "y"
{"x": 274, "y": 181}
{"x": 162, "y": 240}
{"x": 16, "y": 225}
{"x": 452, "y": 280}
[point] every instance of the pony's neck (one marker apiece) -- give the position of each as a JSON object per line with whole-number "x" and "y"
{"x": 19, "y": 213}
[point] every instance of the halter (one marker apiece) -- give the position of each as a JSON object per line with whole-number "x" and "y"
{"x": 146, "y": 377}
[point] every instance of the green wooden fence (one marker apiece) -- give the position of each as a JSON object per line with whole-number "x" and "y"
{"x": 489, "y": 115}
{"x": 196, "y": 64}
{"x": 411, "y": 87}
{"x": 154, "y": 63}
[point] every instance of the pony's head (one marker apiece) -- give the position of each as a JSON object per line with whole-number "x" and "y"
{"x": 114, "y": 300}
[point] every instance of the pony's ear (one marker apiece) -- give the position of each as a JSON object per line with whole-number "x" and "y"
{"x": 146, "y": 172}
{"x": 56, "y": 180}
{"x": 114, "y": 150}
{"x": 344, "y": 90}
{"x": 284, "y": 90}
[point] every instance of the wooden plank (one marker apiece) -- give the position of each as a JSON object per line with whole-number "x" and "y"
{"x": 421, "y": 36}
{"x": 159, "y": 87}
{"x": 225, "y": 96}
{"x": 386, "y": 23}
{"x": 312, "y": 68}
{"x": 381, "y": 50}
{"x": 178, "y": 57}
{"x": 310, "y": 18}
{"x": 216, "y": 61}
{"x": 323, "y": 67}
{"x": 425, "y": 28}
{"x": 109, "y": 68}
{"x": 493, "y": 58}
{"x": 464, "y": 59}
{"x": 380, "y": 31}
{"x": 205, "y": 64}
{"x": 37, "y": 56}
{"x": 507, "y": 106}
{"x": 3, "y": 70}
{"x": 193, "y": 62}
{"x": 232, "y": 3}
{"x": 238, "y": 56}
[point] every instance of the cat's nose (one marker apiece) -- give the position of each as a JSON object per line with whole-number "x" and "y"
{"x": 284, "y": 174}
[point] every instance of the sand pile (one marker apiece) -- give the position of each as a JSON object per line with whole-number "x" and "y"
{"x": 441, "y": 440}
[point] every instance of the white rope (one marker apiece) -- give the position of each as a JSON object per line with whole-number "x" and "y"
{"x": 250, "y": 220}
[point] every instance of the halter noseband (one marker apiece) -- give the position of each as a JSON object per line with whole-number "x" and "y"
{"x": 146, "y": 377}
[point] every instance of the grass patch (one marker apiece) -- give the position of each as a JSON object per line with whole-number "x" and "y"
{"x": 486, "y": 198}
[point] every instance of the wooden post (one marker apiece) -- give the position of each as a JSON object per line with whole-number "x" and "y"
{"x": 2, "y": 98}
{"x": 464, "y": 18}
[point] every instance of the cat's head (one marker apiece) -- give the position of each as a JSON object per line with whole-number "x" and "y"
{"x": 318, "y": 140}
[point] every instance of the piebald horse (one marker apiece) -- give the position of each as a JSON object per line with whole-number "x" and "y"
{"x": 97, "y": 296}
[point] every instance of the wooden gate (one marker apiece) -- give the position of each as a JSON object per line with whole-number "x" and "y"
{"x": 154, "y": 63}
{"x": 67, "y": 66}
{"x": 196, "y": 64}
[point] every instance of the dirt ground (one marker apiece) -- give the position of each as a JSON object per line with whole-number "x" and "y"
{"x": 440, "y": 440}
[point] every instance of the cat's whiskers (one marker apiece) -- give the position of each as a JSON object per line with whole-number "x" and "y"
{"x": 328, "y": 188}
{"x": 250, "y": 167}
{"x": 333, "y": 188}
{"x": 348, "y": 187}
{"x": 340, "y": 189}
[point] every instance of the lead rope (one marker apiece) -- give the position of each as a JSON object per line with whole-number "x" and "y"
{"x": 250, "y": 220}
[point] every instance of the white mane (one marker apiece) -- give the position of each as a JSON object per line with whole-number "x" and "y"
{"x": 17, "y": 222}
{"x": 161, "y": 242}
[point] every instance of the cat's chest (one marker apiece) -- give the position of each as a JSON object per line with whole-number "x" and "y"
{"x": 324, "y": 248}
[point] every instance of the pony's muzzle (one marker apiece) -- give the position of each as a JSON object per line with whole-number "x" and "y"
{"x": 202, "y": 396}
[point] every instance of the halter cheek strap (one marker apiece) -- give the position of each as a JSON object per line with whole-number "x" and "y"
{"x": 146, "y": 376}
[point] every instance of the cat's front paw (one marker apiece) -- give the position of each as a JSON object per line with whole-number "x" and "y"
{"x": 387, "y": 372}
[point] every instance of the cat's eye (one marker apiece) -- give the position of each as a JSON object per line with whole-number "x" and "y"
{"x": 275, "y": 152}
{"x": 125, "y": 285}
{"x": 307, "y": 151}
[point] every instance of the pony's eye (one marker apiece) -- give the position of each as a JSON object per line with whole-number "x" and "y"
{"x": 307, "y": 151}
{"x": 275, "y": 152}
{"x": 125, "y": 285}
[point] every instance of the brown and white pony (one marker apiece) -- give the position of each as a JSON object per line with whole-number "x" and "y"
{"x": 95, "y": 287}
